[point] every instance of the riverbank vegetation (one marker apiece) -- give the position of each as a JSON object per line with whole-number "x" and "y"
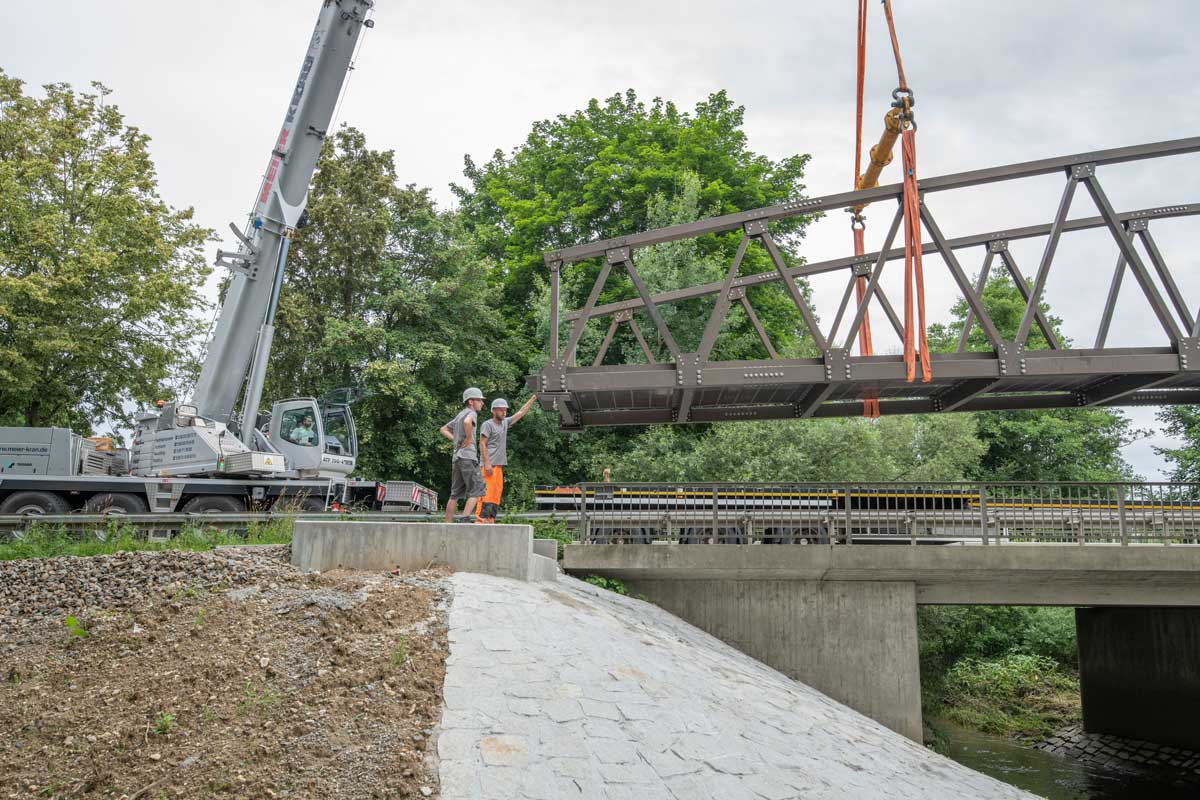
{"x": 1006, "y": 670}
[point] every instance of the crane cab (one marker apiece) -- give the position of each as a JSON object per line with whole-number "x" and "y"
{"x": 318, "y": 439}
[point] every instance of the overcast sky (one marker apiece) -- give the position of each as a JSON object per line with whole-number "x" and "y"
{"x": 995, "y": 83}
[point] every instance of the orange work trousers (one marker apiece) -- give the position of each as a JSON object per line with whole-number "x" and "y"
{"x": 495, "y": 488}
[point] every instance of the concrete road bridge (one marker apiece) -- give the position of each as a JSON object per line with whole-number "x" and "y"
{"x": 823, "y": 581}
{"x": 665, "y": 379}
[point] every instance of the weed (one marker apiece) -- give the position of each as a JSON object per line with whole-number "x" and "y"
{"x": 400, "y": 652}
{"x": 257, "y": 701}
{"x": 75, "y": 627}
{"x": 14, "y": 677}
{"x": 164, "y": 723}
{"x": 552, "y": 528}
{"x": 47, "y": 541}
{"x": 612, "y": 584}
{"x": 1014, "y": 694}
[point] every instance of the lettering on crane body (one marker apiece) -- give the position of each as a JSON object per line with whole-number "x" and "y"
{"x": 273, "y": 169}
{"x": 305, "y": 68}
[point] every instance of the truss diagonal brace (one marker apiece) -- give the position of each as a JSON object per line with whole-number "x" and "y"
{"x": 960, "y": 277}
{"x": 873, "y": 283}
{"x": 1039, "y": 282}
{"x": 810, "y": 322}
{"x": 623, "y": 256}
{"x": 1087, "y": 174}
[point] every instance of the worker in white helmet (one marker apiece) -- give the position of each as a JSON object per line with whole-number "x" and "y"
{"x": 493, "y": 446}
{"x": 466, "y": 481}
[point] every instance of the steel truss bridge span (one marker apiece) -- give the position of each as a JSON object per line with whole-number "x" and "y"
{"x": 682, "y": 386}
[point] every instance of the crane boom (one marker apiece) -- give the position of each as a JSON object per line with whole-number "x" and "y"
{"x": 247, "y": 314}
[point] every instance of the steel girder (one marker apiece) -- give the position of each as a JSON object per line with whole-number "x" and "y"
{"x": 692, "y": 388}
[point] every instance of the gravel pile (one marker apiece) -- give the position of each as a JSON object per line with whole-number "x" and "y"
{"x": 36, "y": 589}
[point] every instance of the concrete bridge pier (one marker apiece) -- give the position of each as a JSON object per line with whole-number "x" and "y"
{"x": 1139, "y": 673}
{"x": 856, "y": 641}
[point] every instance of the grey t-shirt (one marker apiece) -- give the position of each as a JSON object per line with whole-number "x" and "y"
{"x": 467, "y": 450}
{"x": 497, "y": 440}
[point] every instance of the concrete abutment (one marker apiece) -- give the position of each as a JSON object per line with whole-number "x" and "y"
{"x": 855, "y": 641}
{"x": 1139, "y": 673}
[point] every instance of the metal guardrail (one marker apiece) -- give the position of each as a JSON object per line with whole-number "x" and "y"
{"x": 914, "y": 513}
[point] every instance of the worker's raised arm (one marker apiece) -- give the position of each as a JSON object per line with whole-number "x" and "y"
{"x": 515, "y": 418}
{"x": 445, "y": 431}
{"x": 468, "y": 433}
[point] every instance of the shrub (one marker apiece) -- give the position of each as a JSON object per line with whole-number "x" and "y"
{"x": 612, "y": 584}
{"x": 1017, "y": 693}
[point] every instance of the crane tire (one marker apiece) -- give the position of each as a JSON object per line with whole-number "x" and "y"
{"x": 34, "y": 503}
{"x": 116, "y": 503}
{"x": 215, "y": 504}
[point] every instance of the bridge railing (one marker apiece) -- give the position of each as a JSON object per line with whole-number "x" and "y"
{"x": 911, "y": 513}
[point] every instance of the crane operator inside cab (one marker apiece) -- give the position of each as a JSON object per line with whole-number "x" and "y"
{"x": 304, "y": 433}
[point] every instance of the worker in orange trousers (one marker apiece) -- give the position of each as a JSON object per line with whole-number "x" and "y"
{"x": 493, "y": 446}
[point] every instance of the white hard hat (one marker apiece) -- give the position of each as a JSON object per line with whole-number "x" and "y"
{"x": 499, "y": 402}
{"x": 472, "y": 394}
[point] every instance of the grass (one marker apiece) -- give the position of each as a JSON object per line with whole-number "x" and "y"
{"x": 257, "y": 701}
{"x": 552, "y": 528}
{"x": 612, "y": 584}
{"x": 1013, "y": 695}
{"x": 400, "y": 652}
{"x": 164, "y": 723}
{"x": 46, "y": 541}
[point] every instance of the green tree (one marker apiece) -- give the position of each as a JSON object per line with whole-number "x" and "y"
{"x": 1069, "y": 444}
{"x": 99, "y": 277}
{"x": 602, "y": 172}
{"x": 899, "y": 448}
{"x": 385, "y": 293}
{"x": 1182, "y": 422}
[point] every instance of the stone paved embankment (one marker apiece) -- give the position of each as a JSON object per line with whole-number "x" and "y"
{"x": 568, "y": 691}
{"x": 1119, "y": 753}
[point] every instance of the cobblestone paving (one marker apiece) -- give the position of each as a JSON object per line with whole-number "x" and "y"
{"x": 1114, "y": 751}
{"x": 568, "y": 691}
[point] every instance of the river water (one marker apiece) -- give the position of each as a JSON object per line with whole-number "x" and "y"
{"x": 1054, "y": 777}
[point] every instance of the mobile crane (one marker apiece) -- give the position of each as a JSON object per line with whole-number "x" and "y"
{"x": 197, "y": 456}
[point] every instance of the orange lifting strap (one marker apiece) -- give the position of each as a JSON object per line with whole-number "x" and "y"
{"x": 897, "y": 123}
{"x": 857, "y": 224}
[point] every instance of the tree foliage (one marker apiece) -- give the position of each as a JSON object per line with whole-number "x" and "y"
{"x": 1182, "y": 422}
{"x": 385, "y": 293}
{"x": 595, "y": 173}
{"x": 1069, "y": 444}
{"x": 900, "y": 448}
{"x": 99, "y": 278}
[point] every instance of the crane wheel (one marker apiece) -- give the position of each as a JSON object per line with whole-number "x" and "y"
{"x": 116, "y": 504}
{"x": 32, "y": 504}
{"x": 215, "y": 504}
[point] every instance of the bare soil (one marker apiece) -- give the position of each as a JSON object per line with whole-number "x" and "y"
{"x": 292, "y": 686}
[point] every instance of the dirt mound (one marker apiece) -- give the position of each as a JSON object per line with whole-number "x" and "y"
{"x": 287, "y": 685}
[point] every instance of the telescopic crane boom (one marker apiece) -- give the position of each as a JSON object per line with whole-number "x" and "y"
{"x": 305, "y": 439}
{"x": 247, "y": 315}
